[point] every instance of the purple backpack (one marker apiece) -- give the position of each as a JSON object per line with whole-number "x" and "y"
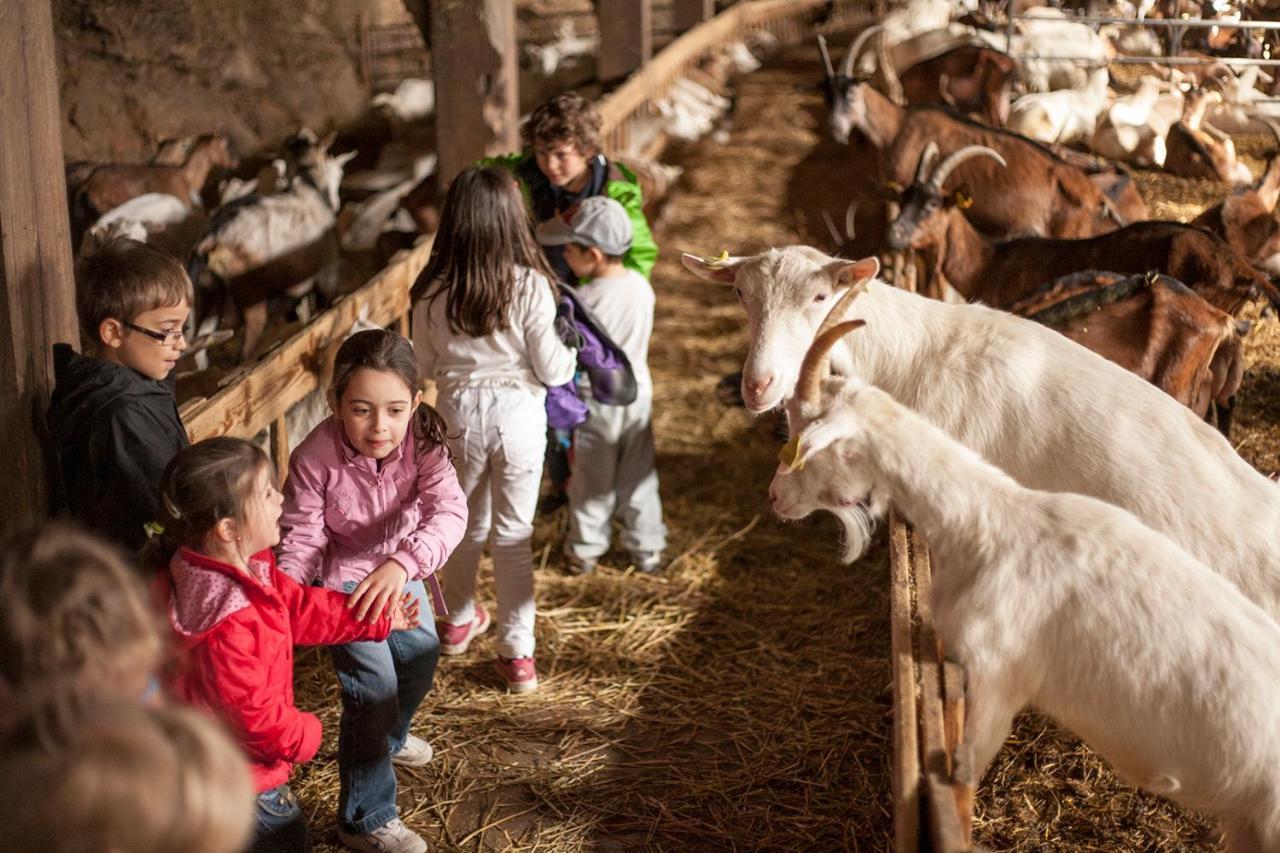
{"x": 613, "y": 382}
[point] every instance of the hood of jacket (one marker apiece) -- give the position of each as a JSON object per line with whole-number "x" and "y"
{"x": 86, "y": 386}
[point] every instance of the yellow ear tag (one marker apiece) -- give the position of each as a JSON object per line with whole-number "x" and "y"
{"x": 894, "y": 185}
{"x": 718, "y": 261}
{"x": 964, "y": 201}
{"x": 790, "y": 453}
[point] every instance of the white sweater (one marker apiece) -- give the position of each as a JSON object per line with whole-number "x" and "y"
{"x": 527, "y": 353}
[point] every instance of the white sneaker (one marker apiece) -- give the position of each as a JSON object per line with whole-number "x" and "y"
{"x": 415, "y": 753}
{"x": 391, "y": 837}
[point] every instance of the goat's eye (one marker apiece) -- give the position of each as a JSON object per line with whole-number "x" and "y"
{"x": 821, "y": 297}
{"x": 738, "y": 290}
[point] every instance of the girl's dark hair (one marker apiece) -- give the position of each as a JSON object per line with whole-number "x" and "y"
{"x": 378, "y": 349}
{"x": 205, "y": 483}
{"x": 485, "y": 232}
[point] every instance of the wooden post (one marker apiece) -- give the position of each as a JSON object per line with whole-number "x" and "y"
{"x": 690, "y": 13}
{"x": 473, "y": 57}
{"x": 626, "y": 37}
{"x": 38, "y": 305}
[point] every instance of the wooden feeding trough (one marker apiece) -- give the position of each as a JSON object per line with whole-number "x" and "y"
{"x": 932, "y": 794}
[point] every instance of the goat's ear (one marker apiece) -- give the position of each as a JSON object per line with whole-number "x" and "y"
{"x": 851, "y": 273}
{"x": 723, "y": 269}
{"x": 344, "y": 159}
{"x": 815, "y": 437}
{"x": 328, "y": 140}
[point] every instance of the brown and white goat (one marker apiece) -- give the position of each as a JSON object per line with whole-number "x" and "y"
{"x": 1195, "y": 149}
{"x": 112, "y": 184}
{"x": 1246, "y": 220}
{"x": 1151, "y": 325}
{"x": 1038, "y": 193}
{"x": 1002, "y": 273}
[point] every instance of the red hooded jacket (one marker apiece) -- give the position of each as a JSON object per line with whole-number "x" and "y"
{"x": 235, "y": 637}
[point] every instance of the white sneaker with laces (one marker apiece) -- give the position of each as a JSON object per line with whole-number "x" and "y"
{"x": 391, "y": 837}
{"x": 415, "y": 753}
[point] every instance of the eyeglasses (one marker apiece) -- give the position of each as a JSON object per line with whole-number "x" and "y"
{"x": 169, "y": 338}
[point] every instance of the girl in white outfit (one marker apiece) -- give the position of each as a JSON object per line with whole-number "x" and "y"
{"x": 484, "y": 330}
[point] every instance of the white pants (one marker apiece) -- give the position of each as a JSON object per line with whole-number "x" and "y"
{"x": 613, "y": 473}
{"x": 498, "y": 438}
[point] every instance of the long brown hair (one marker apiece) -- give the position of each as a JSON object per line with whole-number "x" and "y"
{"x": 378, "y": 349}
{"x": 485, "y": 232}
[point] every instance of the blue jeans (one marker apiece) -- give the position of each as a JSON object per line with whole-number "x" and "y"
{"x": 382, "y": 685}
{"x": 279, "y": 826}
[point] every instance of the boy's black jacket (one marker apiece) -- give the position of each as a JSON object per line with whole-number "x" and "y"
{"x": 115, "y": 431}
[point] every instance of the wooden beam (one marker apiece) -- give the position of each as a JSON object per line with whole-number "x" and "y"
{"x": 36, "y": 277}
{"x": 690, "y": 13}
{"x": 906, "y": 719}
{"x": 626, "y": 38}
{"x": 265, "y": 392}
{"x": 473, "y": 56}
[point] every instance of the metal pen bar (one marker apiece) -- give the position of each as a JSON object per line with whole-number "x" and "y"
{"x": 1169, "y": 23}
{"x": 1146, "y": 60}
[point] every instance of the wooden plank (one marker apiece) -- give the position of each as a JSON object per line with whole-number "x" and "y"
{"x": 37, "y": 290}
{"x": 291, "y": 371}
{"x": 280, "y": 447}
{"x": 477, "y": 89}
{"x": 953, "y": 721}
{"x": 906, "y": 758}
{"x": 944, "y": 824}
{"x": 626, "y": 37}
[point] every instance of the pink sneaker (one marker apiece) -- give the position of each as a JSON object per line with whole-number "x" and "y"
{"x": 454, "y": 639}
{"x": 520, "y": 674}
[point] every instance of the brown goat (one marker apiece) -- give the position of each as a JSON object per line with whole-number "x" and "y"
{"x": 1151, "y": 325}
{"x": 1246, "y": 220}
{"x": 1002, "y": 273}
{"x": 970, "y": 79}
{"x": 112, "y": 184}
{"x": 1039, "y": 193}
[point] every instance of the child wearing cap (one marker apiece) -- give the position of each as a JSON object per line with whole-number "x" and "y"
{"x": 613, "y": 465}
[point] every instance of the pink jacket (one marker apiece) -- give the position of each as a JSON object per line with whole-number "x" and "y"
{"x": 343, "y": 516}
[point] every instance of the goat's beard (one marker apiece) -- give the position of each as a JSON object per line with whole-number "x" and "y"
{"x": 859, "y": 523}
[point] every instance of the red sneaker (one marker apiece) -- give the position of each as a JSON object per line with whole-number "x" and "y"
{"x": 520, "y": 674}
{"x": 454, "y": 639}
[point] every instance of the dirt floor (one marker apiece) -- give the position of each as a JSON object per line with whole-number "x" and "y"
{"x": 739, "y": 700}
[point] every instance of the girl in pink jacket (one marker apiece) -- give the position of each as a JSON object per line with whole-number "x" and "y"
{"x": 372, "y": 507}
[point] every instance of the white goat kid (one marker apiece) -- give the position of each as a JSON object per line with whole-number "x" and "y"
{"x": 1062, "y": 116}
{"x": 1063, "y": 602}
{"x": 1047, "y": 411}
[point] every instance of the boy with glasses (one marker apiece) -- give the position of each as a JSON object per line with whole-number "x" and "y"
{"x": 113, "y": 415}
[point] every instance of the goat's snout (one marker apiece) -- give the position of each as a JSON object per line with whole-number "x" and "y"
{"x": 898, "y": 238}
{"x": 753, "y": 387}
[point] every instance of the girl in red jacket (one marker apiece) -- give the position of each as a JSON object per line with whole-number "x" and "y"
{"x": 237, "y": 619}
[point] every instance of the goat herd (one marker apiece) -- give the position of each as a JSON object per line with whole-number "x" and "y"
{"x": 1100, "y": 551}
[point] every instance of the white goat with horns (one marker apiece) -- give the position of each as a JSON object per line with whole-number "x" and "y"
{"x": 1059, "y": 601}
{"x": 1044, "y": 409}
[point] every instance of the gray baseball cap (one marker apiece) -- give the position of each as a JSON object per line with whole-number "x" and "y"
{"x": 596, "y": 221}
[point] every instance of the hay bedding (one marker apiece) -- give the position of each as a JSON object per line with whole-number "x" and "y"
{"x": 739, "y": 700}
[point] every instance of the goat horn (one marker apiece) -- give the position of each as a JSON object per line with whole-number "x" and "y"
{"x": 850, "y": 215}
{"x": 953, "y": 160}
{"x": 814, "y": 366}
{"x": 826, "y": 57}
{"x": 851, "y": 58}
{"x": 831, "y": 227}
{"x": 927, "y": 156}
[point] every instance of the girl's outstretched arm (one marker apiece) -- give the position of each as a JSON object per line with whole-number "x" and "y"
{"x": 552, "y": 362}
